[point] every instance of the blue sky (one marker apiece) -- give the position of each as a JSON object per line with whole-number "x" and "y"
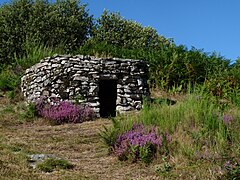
{"x": 212, "y": 25}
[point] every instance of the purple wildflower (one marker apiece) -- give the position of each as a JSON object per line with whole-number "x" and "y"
{"x": 227, "y": 119}
{"x": 228, "y": 165}
{"x": 168, "y": 136}
{"x": 130, "y": 143}
{"x": 63, "y": 112}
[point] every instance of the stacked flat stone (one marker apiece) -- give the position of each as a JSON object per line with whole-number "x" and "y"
{"x": 68, "y": 77}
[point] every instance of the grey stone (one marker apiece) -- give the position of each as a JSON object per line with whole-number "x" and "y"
{"x": 55, "y": 65}
{"x": 35, "y": 159}
{"x": 93, "y": 89}
{"x": 120, "y": 91}
{"x": 97, "y": 104}
{"x": 124, "y": 108}
{"x": 71, "y": 75}
{"x": 127, "y": 90}
{"x": 78, "y": 77}
{"x": 45, "y": 93}
{"x": 139, "y": 82}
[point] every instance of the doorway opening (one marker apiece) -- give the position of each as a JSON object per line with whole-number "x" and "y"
{"x": 107, "y": 98}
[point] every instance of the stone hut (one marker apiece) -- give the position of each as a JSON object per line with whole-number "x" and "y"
{"x": 105, "y": 84}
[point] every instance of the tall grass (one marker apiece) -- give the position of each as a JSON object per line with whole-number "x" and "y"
{"x": 200, "y": 110}
{"x": 8, "y": 79}
{"x": 198, "y": 115}
{"x": 10, "y": 75}
{"x": 36, "y": 52}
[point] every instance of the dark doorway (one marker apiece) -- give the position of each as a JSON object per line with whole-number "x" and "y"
{"x": 108, "y": 97}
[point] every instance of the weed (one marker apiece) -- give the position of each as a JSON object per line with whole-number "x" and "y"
{"x": 163, "y": 168}
{"x": 9, "y": 109}
{"x": 78, "y": 99}
{"x": 51, "y": 164}
{"x": 8, "y": 79}
{"x": 30, "y": 111}
{"x": 109, "y": 134}
{"x": 35, "y": 52}
{"x": 11, "y": 94}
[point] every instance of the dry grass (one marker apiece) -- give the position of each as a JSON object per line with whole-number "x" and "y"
{"x": 77, "y": 143}
{"x": 81, "y": 145}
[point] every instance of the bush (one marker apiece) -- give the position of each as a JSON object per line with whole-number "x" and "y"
{"x": 8, "y": 80}
{"x": 66, "y": 23}
{"x": 139, "y": 144}
{"x": 120, "y": 32}
{"x": 63, "y": 111}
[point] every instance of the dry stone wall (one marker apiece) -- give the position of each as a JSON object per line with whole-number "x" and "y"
{"x": 68, "y": 77}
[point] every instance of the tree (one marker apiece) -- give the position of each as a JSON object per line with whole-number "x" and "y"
{"x": 66, "y": 23}
{"x": 115, "y": 30}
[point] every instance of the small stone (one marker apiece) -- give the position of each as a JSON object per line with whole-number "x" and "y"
{"x": 80, "y": 78}
{"x": 139, "y": 82}
{"x": 119, "y": 91}
{"x": 124, "y": 108}
{"x": 119, "y": 86}
{"x": 127, "y": 91}
{"x": 97, "y": 104}
{"x": 93, "y": 89}
{"x": 38, "y": 79}
{"x": 45, "y": 93}
{"x": 55, "y": 65}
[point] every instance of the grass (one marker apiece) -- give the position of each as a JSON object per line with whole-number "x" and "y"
{"x": 10, "y": 76}
{"x": 79, "y": 144}
{"x": 200, "y": 147}
{"x": 36, "y": 52}
{"x": 205, "y": 134}
{"x": 51, "y": 164}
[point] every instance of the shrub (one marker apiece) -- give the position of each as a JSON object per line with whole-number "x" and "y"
{"x": 8, "y": 80}
{"x": 139, "y": 144}
{"x": 62, "y": 22}
{"x": 115, "y": 30}
{"x": 64, "y": 112}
